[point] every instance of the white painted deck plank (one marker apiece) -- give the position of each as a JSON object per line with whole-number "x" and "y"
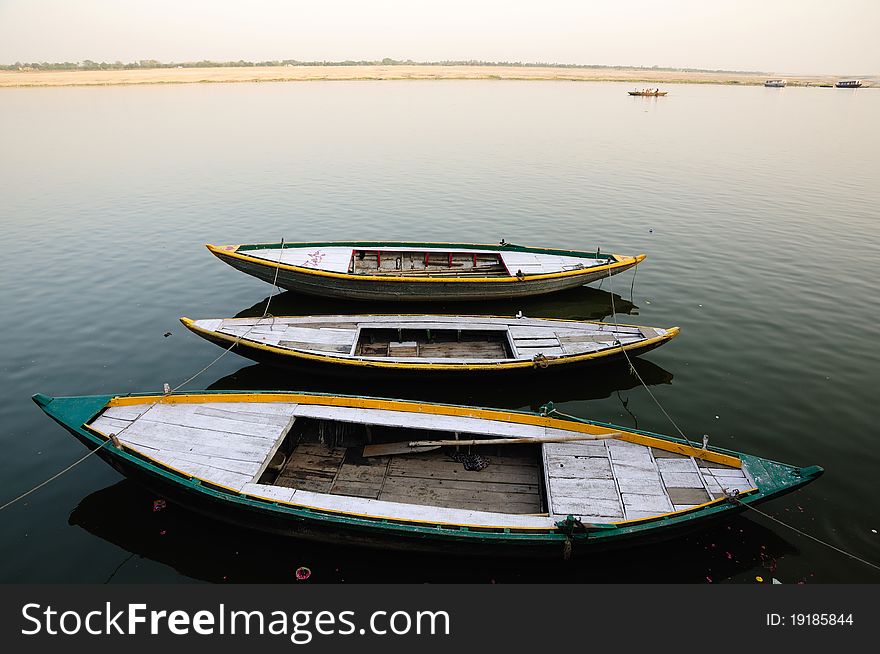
{"x": 460, "y": 424}
{"x": 396, "y": 510}
{"x": 109, "y": 426}
{"x": 535, "y": 264}
{"x": 302, "y": 334}
{"x": 587, "y": 506}
{"x": 168, "y": 448}
{"x": 547, "y": 351}
{"x": 682, "y": 479}
{"x": 230, "y": 465}
{"x": 577, "y": 448}
{"x": 232, "y": 480}
{"x": 641, "y": 485}
{"x": 334, "y": 259}
{"x": 126, "y": 412}
{"x": 536, "y": 342}
{"x": 578, "y": 467}
{"x": 676, "y": 465}
{"x": 630, "y": 453}
{"x": 656, "y": 503}
{"x": 725, "y": 472}
{"x": 599, "y": 489}
{"x": 274, "y": 493}
{"x": 188, "y": 415}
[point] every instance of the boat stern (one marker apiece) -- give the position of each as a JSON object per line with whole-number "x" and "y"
{"x": 71, "y": 412}
{"x": 773, "y": 478}
{"x": 220, "y": 250}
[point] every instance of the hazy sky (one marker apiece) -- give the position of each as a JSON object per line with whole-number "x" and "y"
{"x": 785, "y": 36}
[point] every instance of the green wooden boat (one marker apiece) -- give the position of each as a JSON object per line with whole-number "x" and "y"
{"x": 405, "y": 271}
{"x": 417, "y": 476}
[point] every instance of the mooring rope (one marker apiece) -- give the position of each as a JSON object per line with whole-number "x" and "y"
{"x": 167, "y": 393}
{"x": 732, "y": 497}
{"x": 803, "y": 533}
{"x": 633, "y": 368}
{"x": 55, "y": 476}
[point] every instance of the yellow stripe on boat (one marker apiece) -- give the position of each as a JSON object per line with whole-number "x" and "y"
{"x": 672, "y": 332}
{"x": 435, "y": 409}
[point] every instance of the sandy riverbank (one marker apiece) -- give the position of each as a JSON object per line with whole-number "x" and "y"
{"x": 398, "y": 72}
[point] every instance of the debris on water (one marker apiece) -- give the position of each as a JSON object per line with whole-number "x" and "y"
{"x": 158, "y": 505}
{"x": 873, "y": 531}
{"x": 717, "y": 417}
{"x": 163, "y": 532}
{"x": 708, "y": 579}
{"x": 167, "y": 334}
{"x": 759, "y": 579}
{"x": 303, "y": 573}
{"x": 776, "y": 581}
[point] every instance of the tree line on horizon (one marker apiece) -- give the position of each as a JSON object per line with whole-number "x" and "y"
{"x": 148, "y": 64}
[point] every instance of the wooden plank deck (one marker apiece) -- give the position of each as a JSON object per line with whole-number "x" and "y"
{"x": 599, "y": 481}
{"x": 510, "y": 484}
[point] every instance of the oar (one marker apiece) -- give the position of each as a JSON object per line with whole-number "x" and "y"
{"x": 386, "y": 449}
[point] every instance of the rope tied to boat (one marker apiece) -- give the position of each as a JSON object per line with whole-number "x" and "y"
{"x": 632, "y": 366}
{"x": 167, "y": 391}
{"x": 733, "y": 498}
{"x": 540, "y": 360}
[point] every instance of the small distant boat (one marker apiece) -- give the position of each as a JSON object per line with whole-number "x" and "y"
{"x": 417, "y": 476}
{"x": 649, "y": 93}
{"x": 849, "y": 84}
{"x": 775, "y": 83}
{"x": 404, "y": 271}
{"x": 427, "y": 344}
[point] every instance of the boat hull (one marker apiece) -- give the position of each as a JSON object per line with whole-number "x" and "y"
{"x": 417, "y": 290}
{"x": 329, "y": 365}
{"x": 350, "y": 530}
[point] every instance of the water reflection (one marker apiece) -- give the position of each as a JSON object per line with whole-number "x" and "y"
{"x": 584, "y": 303}
{"x": 599, "y": 382}
{"x": 123, "y": 515}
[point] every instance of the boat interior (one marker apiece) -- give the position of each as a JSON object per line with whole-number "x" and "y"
{"x": 358, "y": 459}
{"x": 434, "y": 343}
{"x": 432, "y": 338}
{"x": 327, "y": 457}
{"x": 433, "y": 263}
{"x": 425, "y": 262}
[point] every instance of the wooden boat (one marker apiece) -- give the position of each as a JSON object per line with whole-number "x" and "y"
{"x": 775, "y": 83}
{"x": 648, "y": 94}
{"x": 421, "y": 271}
{"x": 396, "y": 344}
{"x": 848, "y": 84}
{"x": 404, "y": 475}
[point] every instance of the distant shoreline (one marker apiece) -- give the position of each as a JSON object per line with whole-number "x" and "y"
{"x": 637, "y": 76}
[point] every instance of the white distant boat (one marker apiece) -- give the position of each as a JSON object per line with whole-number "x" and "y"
{"x": 849, "y": 84}
{"x": 775, "y": 83}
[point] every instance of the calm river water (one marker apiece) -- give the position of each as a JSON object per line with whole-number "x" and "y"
{"x": 758, "y": 209}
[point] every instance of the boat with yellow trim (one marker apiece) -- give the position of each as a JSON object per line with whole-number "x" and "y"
{"x": 407, "y": 271}
{"x": 437, "y": 344}
{"x": 418, "y": 476}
